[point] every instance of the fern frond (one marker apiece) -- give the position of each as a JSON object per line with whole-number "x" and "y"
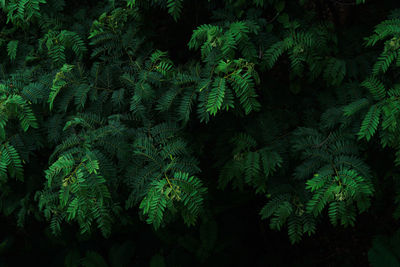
{"x": 370, "y": 123}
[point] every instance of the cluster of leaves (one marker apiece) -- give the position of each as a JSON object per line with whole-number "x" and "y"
{"x": 97, "y": 125}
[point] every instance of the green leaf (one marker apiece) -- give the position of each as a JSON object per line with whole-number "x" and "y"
{"x": 370, "y": 123}
{"x": 216, "y": 96}
{"x": 375, "y": 87}
{"x": 12, "y": 47}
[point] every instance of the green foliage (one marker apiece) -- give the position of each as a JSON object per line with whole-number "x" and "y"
{"x": 22, "y": 12}
{"x": 250, "y": 164}
{"x": 164, "y": 176}
{"x": 57, "y": 42}
{"x": 308, "y": 47}
{"x": 336, "y": 178}
{"x": 218, "y": 46}
{"x": 175, "y": 8}
{"x": 118, "y": 114}
{"x": 12, "y": 49}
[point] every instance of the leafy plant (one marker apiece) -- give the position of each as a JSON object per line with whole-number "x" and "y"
{"x": 119, "y": 117}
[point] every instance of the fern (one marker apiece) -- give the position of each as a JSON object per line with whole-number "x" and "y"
{"x": 175, "y": 8}
{"x": 107, "y": 122}
{"x": 12, "y": 47}
{"x": 370, "y": 123}
{"x": 216, "y": 95}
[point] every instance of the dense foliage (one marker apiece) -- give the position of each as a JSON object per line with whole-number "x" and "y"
{"x": 176, "y": 133}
